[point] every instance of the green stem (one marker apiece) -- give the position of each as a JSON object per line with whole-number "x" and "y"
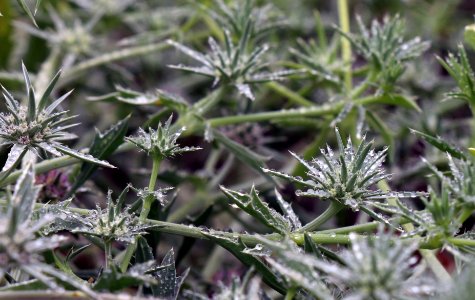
{"x": 344, "y": 18}
{"x": 108, "y": 254}
{"x": 289, "y": 94}
{"x": 313, "y": 111}
{"x": 206, "y": 104}
{"x": 435, "y": 265}
{"x": 322, "y": 237}
{"x": 147, "y": 203}
{"x": 290, "y": 293}
{"x": 362, "y": 87}
{"x": 332, "y": 210}
{"x": 461, "y": 242}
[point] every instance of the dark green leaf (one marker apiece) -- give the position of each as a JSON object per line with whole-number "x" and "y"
{"x": 103, "y": 145}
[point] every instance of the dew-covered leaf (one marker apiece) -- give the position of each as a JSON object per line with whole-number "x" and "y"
{"x": 440, "y": 144}
{"x": 253, "y": 205}
{"x": 103, "y": 145}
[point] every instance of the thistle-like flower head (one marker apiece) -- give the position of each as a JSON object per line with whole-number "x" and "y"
{"x": 383, "y": 45}
{"x": 458, "y": 66}
{"x": 234, "y": 64}
{"x": 161, "y": 142}
{"x": 460, "y": 183}
{"x": 346, "y": 177}
{"x": 114, "y": 223}
{"x": 236, "y": 14}
{"x": 374, "y": 268}
{"x": 378, "y": 268}
{"x": 37, "y": 127}
{"x": 75, "y": 38}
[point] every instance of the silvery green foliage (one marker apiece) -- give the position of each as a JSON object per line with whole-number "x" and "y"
{"x": 460, "y": 183}
{"x": 384, "y": 46}
{"x": 21, "y": 243}
{"x": 378, "y": 268}
{"x": 26, "y": 8}
{"x": 114, "y": 223}
{"x": 148, "y": 98}
{"x": 161, "y": 142}
{"x": 253, "y": 205}
{"x": 296, "y": 267}
{"x": 160, "y": 278}
{"x": 319, "y": 60}
{"x": 106, "y": 7}
{"x": 75, "y": 39}
{"x": 236, "y": 14}
{"x": 37, "y": 127}
{"x": 438, "y": 219}
{"x": 462, "y": 287}
{"x": 17, "y": 239}
{"x": 249, "y": 288}
{"x": 458, "y": 66}
{"x": 346, "y": 177}
{"x": 234, "y": 64}
{"x": 246, "y": 289}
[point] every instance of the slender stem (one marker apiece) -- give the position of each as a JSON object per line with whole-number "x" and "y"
{"x": 290, "y": 293}
{"x": 313, "y": 111}
{"x": 322, "y": 237}
{"x": 206, "y": 104}
{"x": 435, "y": 265}
{"x": 332, "y": 210}
{"x": 343, "y": 15}
{"x": 362, "y": 87}
{"x": 147, "y": 203}
{"x": 108, "y": 254}
{"x": 289, "y": 94}
{"x": 461, "y": 242}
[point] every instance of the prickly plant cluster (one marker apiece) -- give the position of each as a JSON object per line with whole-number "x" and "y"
{"x": 237, "y": 149}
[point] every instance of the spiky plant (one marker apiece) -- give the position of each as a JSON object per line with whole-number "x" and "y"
{"x": 73, "y": 39}
{"x": 384, "y": 48}
{"x": 162, "y": 142}
{"x": 234, "y": 64}
{"x": 235, "y": 15}
{"x": 458, "y": 66}
{"x": 37, "y": 127}
{"x": 21, "y": 239}
{"x": 346, "y": 177}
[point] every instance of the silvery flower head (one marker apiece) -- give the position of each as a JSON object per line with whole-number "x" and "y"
{"x": 37, "y": 127}
{"x": 161, "y": 142}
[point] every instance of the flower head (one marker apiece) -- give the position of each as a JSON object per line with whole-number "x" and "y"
{"x": 113, "y": 223}
{"x": 37, "y": 127}
{"x": 161, "y": 142}
{"x": 234, "y": 64}
{"x": 346, "y": 177}
{"x": 379, "y": 268}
